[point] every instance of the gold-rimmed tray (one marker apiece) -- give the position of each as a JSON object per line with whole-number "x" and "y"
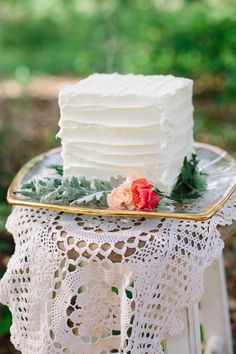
{"x": 217, "y": 163}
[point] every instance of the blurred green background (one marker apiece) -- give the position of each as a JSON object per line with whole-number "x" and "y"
{"x": 45, "y": 43}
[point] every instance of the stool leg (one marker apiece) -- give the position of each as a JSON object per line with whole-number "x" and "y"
{"x": 215, "y": 312}
{"x": 189, "y": 342}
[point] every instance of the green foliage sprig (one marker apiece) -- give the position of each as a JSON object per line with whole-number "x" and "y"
{"x": 58, "y": 169}
{"x": 70, "y": 191}
{"x": 191, "y": 182}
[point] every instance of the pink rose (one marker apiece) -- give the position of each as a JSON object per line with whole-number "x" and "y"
{"x": 122, "y": 195}
{"x": 143, "y": 195}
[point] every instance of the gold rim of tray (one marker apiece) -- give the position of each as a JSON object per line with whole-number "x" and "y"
{"x": 205, "y": 214}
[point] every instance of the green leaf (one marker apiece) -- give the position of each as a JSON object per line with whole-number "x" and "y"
{"x": 190, "y": 182}
{"x": 30, "y": 185}
{"x": 58, "y": 169}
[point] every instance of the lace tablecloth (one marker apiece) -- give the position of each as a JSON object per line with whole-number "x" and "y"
{"x": 84, "y": 284}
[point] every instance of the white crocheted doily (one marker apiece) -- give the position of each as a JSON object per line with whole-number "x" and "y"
{"x": 83, "y": 284}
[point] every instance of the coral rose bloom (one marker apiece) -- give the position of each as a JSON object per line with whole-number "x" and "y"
{"x": 143, "y": 195}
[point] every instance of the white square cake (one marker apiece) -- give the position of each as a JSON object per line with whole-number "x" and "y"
{"x": 129, "y": 125}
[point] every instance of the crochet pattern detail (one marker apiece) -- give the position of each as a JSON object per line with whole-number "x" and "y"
{"x": 80, "y": 284}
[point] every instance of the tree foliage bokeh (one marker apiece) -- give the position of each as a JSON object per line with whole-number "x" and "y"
{"x": 78, "y": 37}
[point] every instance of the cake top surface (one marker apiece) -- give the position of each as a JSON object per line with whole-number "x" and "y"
{"x": 129, "y": 84}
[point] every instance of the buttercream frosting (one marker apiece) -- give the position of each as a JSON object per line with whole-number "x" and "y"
{"x": 114, "y": 124}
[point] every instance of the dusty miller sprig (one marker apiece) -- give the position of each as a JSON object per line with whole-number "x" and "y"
{"x": 70, "y": 191}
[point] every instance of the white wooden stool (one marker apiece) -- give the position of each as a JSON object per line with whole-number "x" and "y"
{"x": 210, "y": 316}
